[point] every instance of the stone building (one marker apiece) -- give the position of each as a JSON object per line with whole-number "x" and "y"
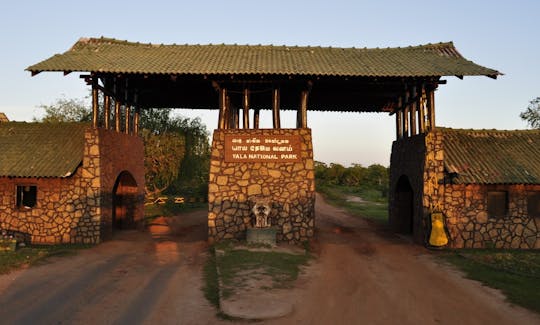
{"x": 485, "y": 182}
{"x": 69, "y": 182}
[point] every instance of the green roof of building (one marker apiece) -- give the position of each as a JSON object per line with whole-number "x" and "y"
{"x": 40, "y": 149}
{"x": 492, "y": 156}
{"x": 107, "y": 55}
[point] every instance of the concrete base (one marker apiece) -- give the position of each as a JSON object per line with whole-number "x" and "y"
{"x": 262, "y": 235}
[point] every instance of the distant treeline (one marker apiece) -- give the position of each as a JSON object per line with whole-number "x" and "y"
{"x": 374, "y": 177}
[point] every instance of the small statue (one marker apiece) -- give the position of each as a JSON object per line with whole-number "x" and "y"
{"x": 261, "y": 210}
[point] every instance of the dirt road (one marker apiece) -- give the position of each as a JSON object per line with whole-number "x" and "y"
{"x": 365, "y": 275}
{"x": 135, "y": 278}
{"x": 362, "y": 276}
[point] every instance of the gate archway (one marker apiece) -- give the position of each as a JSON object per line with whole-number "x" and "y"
{"x": 124, "y": 201}
{"x": 404, "y": 206}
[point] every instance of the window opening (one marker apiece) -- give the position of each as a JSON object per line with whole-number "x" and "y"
{"x": 497, "y": 202}
{"x": 533, "y": 204}
{"x": 26, "y": 196}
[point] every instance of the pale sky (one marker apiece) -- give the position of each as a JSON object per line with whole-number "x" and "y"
{"x": 503, "y": 35}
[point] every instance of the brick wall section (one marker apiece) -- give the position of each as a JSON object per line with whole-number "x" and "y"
{"x": 421, "y": 159}
{"x": 76, "y": 209}
{"x": 291, "y": 186}
{"x": 119, "y": 152}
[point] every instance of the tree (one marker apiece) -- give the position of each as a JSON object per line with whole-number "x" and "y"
{"x": 354, "y": 175}
{"x": 66, "y": 110}
{"x": 320, "y": 170}
{"x": 377, "y": 177}
{"x": 532, "y": 114}
{"x": 334, "y": 173}
{"x": 163, "y": 154}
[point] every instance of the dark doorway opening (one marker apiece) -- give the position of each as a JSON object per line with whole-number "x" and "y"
{"x": 124, "y": 201}
{"x": 404, "y": 197}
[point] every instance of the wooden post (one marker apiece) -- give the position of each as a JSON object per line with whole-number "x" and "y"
{"x": 107, "y": 110}
{"x": 256, "y": 118}
{"x": 303, "y": 109}
{"x": 275, "y": 109}
{"x": 117, "y": 115}
{"x": 236, "y": 117}
{"x": 421, "y": 111}
{"x": 136, "y": 121}
{"x": 95, "y": 103}
{"x": 127, "y": 126}
{"x": 245, "y": 121}
{"x": 413, "y": 111}
{"x": 406, "y": 122}
{"x": 222, "y": 108}
{"x": 406, "y": 115}
{"x": 399, "y": 121}
{"x": 399, "y": 125}
{"x": 431, "y": 109}
{"x": 127, "y": 108}
{"x": 231, "y": 114}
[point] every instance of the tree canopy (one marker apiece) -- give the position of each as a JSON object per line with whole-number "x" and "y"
{"x": 532, "y": 114}
{"x": 66, "y": 110}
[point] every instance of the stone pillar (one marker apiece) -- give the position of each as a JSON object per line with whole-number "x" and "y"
{"x": 290, "y": 185}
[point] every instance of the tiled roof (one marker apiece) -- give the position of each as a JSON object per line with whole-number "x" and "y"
{"x": 492, "y": 156}
{"x": 3, "y": 117}
{"x": 113, "y": 56}
{"x": 40, "y": 149}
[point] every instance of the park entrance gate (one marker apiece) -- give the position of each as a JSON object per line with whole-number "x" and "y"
{"x": 273, "y": 165}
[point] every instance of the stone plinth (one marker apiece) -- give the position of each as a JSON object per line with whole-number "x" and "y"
{"x": 265, "y": 236}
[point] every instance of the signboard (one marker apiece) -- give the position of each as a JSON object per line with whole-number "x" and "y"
{"x": 262, "y": 148}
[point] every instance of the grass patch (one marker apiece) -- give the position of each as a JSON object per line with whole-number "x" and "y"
{"x": 34, "y": 255}
{"x": 211, "y": 279}
{"x": 237, "y": 265}
{"x": 374, "y": 205}
{"x": 515, "y": 273}
{"x": 241, "y": 266}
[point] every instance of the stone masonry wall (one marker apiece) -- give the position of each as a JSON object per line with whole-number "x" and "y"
{"x": 470, "y": 226}
{"x": 61, "y": 214}
{"x": 77, "y": 208}
{"x": 290, "y": 184}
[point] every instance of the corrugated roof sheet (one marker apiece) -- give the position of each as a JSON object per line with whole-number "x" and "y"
{"x": 492, "y": 156}
{"x": 113, "y": 56}
{"x": 40, "y": 149}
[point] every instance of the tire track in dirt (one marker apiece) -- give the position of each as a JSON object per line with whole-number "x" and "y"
{"x": 52, "y": 301}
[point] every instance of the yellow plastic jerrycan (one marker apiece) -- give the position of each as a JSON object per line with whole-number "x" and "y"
{"x": 438, "y": 234}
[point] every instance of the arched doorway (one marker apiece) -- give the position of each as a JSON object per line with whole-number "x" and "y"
{"x": 124, "y": 201}
{"x": 404, "y": 208}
